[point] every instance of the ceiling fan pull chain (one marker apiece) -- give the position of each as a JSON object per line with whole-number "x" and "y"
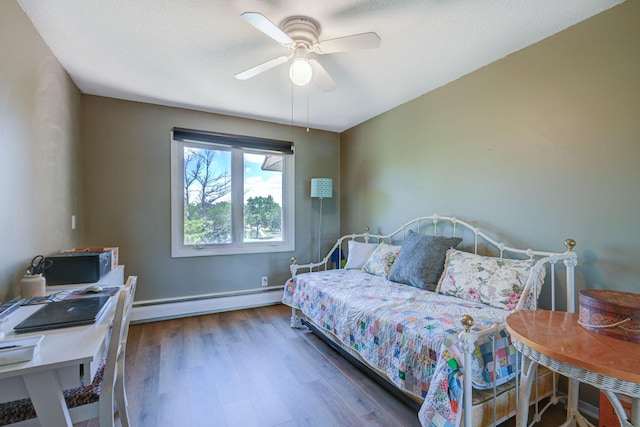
{"x": 291, "y": 86}
{"x": 307, "y": 108}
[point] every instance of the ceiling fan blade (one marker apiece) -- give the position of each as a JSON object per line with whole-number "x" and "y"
{"x": 254, "y": 71}
{"x": 354, "y": 42}
{"x": 321, "y": 77}
{"x": 259, "y": 21}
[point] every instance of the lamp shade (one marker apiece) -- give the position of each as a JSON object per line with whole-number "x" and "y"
{"x": 300, "y": 71}
{"x": 322, "y": 188}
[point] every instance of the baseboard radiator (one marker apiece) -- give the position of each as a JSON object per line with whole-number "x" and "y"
{"x": 172, "y": 308}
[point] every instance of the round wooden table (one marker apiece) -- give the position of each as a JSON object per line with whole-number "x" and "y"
{"x": 554, "y": 339}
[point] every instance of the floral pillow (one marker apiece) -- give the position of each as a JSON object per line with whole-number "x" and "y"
{"x": 358, "y": 254}
{"x": 497, "y": 282}
{"x": 381, "y": 260}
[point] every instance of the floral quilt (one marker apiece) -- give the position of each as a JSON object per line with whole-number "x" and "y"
{"x": 407, "y": 333}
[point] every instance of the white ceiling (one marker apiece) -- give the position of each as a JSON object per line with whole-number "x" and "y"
{"x": 185, "y": 53}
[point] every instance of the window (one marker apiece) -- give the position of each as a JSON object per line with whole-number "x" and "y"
{"x": 230, "y": 194}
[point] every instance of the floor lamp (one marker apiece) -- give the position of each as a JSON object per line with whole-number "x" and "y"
{"x": 321, "y": 188}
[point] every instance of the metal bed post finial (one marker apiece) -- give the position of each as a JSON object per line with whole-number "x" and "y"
{"x": 467, "y": 322}
{"x": 569, "y": 244}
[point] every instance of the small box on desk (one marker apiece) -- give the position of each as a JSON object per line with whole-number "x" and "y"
{"x": 77, "y": 267}
{"x": 19, "y": 349}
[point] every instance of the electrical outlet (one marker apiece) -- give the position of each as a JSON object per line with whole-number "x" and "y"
{"x": 264, "y": 281}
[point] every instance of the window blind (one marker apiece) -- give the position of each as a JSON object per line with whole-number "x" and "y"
{"x": 237, "y": 141}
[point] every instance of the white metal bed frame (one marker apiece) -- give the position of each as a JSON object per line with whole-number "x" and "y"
{"x": 460, "y": 228}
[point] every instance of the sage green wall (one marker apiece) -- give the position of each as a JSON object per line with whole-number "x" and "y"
{"x": 40, "y": 150}
{"x": 539, "y": 146}
{"x": 127, "y": 196}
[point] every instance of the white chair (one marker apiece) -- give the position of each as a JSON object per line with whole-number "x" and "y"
{"x": 120, "y": 390}
{"x": 107, "y": 387}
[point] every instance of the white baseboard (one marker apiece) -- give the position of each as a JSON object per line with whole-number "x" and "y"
{"x": 588, "y": 409}
{"x": 170, "y": 308}
{"x": 585, "y": 408}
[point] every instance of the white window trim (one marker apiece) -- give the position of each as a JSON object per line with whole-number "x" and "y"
{"x": 180, "y": 250}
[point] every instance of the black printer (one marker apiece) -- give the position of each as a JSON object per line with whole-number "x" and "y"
{"x": 77, "y": 267}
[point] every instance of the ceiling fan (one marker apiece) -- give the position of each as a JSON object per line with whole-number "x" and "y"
{"x": 300, "y": 35}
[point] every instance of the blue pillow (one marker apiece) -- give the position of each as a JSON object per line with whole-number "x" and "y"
{"x": 421, "y": 260}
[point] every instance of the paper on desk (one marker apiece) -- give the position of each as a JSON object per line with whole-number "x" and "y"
{"x": 106, "y": 292}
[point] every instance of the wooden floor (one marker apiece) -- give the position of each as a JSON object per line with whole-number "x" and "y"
{"x": 249, "y": 368}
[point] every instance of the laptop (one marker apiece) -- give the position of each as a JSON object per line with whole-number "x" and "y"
{"x": 64, "y": 314}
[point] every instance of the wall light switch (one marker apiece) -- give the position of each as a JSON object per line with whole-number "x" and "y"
{"x": 73, "y": 222}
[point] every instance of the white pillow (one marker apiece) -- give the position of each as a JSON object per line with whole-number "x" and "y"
{"x": 358, "y": 254}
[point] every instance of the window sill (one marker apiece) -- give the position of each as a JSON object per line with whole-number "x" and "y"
{"x": 186, "y": 252}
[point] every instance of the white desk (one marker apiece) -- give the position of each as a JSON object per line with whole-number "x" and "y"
{"x": 64, "y": 354}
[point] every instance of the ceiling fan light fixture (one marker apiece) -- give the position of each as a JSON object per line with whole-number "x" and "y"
{"x": 300, "y": 71}
{"x": 300, "y": 34}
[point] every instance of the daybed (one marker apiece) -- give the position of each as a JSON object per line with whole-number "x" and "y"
{"x": 396, "y": 306}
